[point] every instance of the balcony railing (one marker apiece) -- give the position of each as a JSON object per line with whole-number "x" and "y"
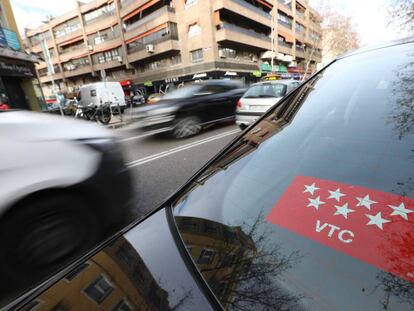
{"x": 284, "y": 24}
{"x": 300, "y": 14}
{"x": 249, "y": 32}
{"x": 73, "y": 49}
{"x": 149, "y": 17}
{"x": 285, "y": 44}
{"x": 251, "y": 7}
{"x": 99, "y": 18}
{"x": 141, "y": 46}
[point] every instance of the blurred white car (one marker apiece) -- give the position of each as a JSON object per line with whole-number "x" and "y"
{"x": 259, "y": 98}
{"x": 63, "y": 188}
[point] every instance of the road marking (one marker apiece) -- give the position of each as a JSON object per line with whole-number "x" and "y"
{"x": 144, "y": 135}
{"x": 181, "y": 148}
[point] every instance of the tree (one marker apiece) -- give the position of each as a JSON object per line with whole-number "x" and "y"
{"x": 338, "y": 34}
{"x": 401, "y": 14}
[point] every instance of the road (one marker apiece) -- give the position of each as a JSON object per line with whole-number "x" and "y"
{"x": 160, "y": 164}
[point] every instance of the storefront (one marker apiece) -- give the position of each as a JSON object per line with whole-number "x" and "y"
{"x": 19, "y": 86}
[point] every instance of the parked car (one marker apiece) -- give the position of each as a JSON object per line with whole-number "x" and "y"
{"x": 259, "y": 98}
{"x": 103, "y": 92}
{"x": 184, "y": 111}
{"x": 154, "y": 98}
{"x": 64, "y": 188}
{"x": 312, "y": 208}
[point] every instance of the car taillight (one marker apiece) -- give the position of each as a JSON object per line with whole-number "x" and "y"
{"x": 239, "y": 104}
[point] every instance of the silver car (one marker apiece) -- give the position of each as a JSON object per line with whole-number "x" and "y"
{"x": 259, "y": 98}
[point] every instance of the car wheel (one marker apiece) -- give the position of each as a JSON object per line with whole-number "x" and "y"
{"x": 186, "y": 127}
{"x": 43, "y": 235}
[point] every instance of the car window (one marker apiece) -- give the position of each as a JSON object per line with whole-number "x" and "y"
{"x": 186, "y": 91}
{"x": 214, "y": 89}
{"x": 266, "y": 90}
{"x": 313, "y": 208}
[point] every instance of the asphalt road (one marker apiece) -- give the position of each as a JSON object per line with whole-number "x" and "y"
{"x": 160, "y": 164}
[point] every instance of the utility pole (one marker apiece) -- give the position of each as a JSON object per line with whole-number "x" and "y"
{"x": 50, "y": 72}
{"x": 272, "y": 35}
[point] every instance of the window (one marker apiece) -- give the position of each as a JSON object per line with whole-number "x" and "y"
{"x": 206, "y": 257}
{"x": 71, "y": 275}
{"x": 197, "y": 56}
{"x": 101, "y": 59}
{"x": 123, "y": 305}
{"x": 93, "y": 93}
{"x": 266, "y": 90}
{"x": 189, "y": 3}
{"x": 99, "y": 289}
{"x": 101, "y": 38}
{"x": 194, "y": 30}
{"x": 107, "y": 9}
{"x": 176, "y": 60}
{"x": 125, "y": 254}
{"x": 227, "y": 53}
{"x": 284, "y": 20}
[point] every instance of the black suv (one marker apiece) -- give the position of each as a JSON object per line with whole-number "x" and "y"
{"x": 184, "y": 111}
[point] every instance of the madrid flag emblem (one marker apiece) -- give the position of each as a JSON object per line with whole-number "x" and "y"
{"x": 372, "y": 226}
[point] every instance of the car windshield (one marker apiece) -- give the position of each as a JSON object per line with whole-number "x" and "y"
{"x": 266, "y": 90}
{"x": 313, "y": 208}
{"x": 183, "y": 92}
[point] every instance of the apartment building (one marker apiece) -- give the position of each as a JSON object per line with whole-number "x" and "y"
{"x": 153, "y": 43}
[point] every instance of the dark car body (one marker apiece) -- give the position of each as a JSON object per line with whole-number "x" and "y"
{"x": 204, "y": 103}
{"x": 238, "y": 235}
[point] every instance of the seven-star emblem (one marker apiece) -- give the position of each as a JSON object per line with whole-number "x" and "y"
{"x": 343, "y": 210}
{"x": 315, "y": 202}
{"x": 400, "y": 211}
{"x": 365, "y": 201}
{"x": 311, "y": 189}
{"x": 336, "y": 194}
{"x": 377, "y": 220}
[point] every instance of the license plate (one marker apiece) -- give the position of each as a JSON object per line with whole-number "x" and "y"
{"x": 256, "y": 108}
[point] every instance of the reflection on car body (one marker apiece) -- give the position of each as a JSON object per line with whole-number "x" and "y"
{"x": 214, "y": 237}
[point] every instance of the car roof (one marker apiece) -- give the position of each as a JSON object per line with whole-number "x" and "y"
{"x": 276, "y": 82}
{"x": 378, "y": 46}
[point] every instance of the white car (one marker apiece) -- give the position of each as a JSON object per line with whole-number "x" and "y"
{"x": 63, "y": 188}
{"x": 259, "y": 98}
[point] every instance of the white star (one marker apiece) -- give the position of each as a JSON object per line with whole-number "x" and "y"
{"x": 336, "y": 194}
{"x": 343, "y": 210}
{"x": 315, "y": 202}
{"x": 400, "y": 211}
{"x": 365, "y": 201}
{"x": 377, "y": 220}
{"x": 311, "y": 189}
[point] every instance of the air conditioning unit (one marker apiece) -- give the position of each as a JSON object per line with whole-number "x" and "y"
{"x": 119, "y": 59}
{"x": 254, "y": 58}
{"x": 150, "y": 48}
{"x": 222, "y": 54}
{"x": 71, "y": 67}
{"x": 90, "y": 47}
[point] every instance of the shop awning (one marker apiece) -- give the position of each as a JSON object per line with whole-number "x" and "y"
{"x": 78, "y": 38}
{"x": 288, "y": 37}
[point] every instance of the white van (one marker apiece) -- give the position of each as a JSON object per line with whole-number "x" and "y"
{"x": 103, "y": 92}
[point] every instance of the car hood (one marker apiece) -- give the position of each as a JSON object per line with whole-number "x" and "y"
{"x": 36, "y": 126}
{"x": 142, "y": 268}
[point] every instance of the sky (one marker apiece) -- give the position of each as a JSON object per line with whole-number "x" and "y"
{"x": 369, "y": 15}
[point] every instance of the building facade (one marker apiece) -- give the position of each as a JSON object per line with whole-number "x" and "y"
{"x": 19, "y": 86}
{"x": 155, "y": 43}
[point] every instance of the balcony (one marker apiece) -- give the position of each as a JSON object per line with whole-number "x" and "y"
{"x": 160, "y": 47}
{"x": 106, "y": 45}
{"x": 300, "y": 34}
{"x": 285, "y": 24}
{"x": 78, "y": 71}
{"x": 109, "y": 21}
{"x": 69, "y": 37}
{"x": 56, "y": 76}
{"x": 73, "y": 53}
{"x": 285, "y": 7}
{"x": 159, "y": 17}
{"x": 244, "y": 9}
{"x": 107, "y": 65}
{"x": 232, "y": 33}
{"x": 127, "y": 6}
{"x": 300, "y": 52}
{"x": 284, "y": 47}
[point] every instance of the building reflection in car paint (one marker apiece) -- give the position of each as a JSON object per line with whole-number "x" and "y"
{"x": 114, "y": 279}
{"x": 239, "y": 264}
{"x": 126, "y": 276}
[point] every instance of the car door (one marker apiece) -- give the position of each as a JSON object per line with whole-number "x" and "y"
{"x": 214, "y": 101}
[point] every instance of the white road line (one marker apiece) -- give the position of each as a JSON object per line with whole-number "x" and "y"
{"x": 143, "y": 135}
{"x": 181, "y": 148}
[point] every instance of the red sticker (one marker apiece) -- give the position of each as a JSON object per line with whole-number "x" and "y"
{"x": 373, "y": 226}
